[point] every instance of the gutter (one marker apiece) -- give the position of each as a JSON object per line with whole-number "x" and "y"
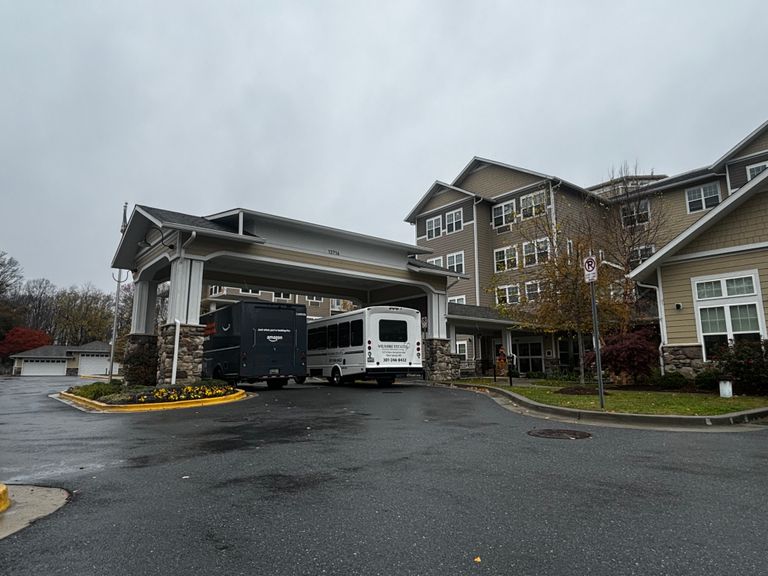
{"x": 662, "y": 319}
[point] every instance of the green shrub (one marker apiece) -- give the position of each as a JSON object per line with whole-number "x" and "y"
{"x": 671, "y": 381}
{"x": 746, "y": 364}
{"x": 708, "y": 380}
{"x": 95, "y": 390}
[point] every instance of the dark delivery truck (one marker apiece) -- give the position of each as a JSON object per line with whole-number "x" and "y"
{"x": 256, "y": 342}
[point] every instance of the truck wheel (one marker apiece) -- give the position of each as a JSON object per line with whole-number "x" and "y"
{"x": 276, "y": 384}
{"x": 300, "y": 379}
{"x": 385, "y": 382}
{"x": 335, "y": 377}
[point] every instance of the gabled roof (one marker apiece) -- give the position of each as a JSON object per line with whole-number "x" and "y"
{"x": 434, "y": 189}
{"x": 169, "y": 219}
{"x": 723, "y": 160}
{"x": 757, "y": 185}
{"x": 61, "y": 352}
{"x": 687, "y": 177}
{"x": 426, "y": 267}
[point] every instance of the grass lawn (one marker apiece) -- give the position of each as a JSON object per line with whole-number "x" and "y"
{"x": 681, "y": 403}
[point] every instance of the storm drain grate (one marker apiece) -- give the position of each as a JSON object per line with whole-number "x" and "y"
{"x": 559, "y": 434}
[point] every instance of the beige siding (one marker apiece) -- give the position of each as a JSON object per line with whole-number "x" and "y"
{"x": 676, "y": 283}
{"x": 746, "y": 225}
{"x": 672, "y": 208}
{"x": 737, "y": 171}
{"x": 485, "y": 243}
{"x": 494, "y": 180}
{"x": 450, "y": 243}
{"x": 440, "y": 199}
{"x": 757, "y": 145}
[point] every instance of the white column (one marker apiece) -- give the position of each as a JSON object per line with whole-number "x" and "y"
{"x": 144, "y": 303}
{"x": 437, "y": 308}
{"x": 452, "y": 336}
{"x": 185, "y": 291}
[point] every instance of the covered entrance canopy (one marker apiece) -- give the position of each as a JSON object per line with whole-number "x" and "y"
{"x": 249, "y": 249}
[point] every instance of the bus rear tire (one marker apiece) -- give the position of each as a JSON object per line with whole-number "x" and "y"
{"x": 276, "y": 384}
{"x": 383, "y": 382}
{"x": 335, "y": 378}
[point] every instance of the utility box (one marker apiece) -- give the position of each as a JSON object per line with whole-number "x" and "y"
{"x": 256, "y": 342}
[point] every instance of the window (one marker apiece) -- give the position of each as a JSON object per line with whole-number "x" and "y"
{"x": 505, "y": 258}
{"x": 335, "y": 304}
{"x": 569, "y": 247}
{"x": 635, "y": 213}
{"x": 755, "y": 169}
{"x": 344, "y": 335}
{"x": 393, "y": 331}
{"x": 317, "y": 338}
{"x": 639, "y": 255}
{"x": 317, "y": 299}
{"x": 508, "y": 294}
{"x": 535, "y": 252}
{"x": 213, "y": 290}
{"x": 434, "y": 227}
{"x": 461, "y": 349}
{"x": 532, "y": 290}
{"x": 533, "y": 204}
{"x": 356, "y": 333}
{"x": 703, "y": 197}
{"x": 458, "y": 299}
{"x": 453, "y": 221}
{"x": 436, "y": 261}
{"x": 455, "y": 262}
{"x": 333, "y": 336}
{"x": 503, "y": 213}
{"x": 282, "y": 296}
{"x": 728, "y": 309}
{"x": 249, "y": 291}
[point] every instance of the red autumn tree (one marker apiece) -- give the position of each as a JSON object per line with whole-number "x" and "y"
{"x": 21, "y": 339}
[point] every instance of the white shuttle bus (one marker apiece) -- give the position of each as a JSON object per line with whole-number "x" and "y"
{"x": 380, "y": 342}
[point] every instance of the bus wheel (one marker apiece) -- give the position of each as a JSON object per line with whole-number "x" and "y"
{"x": 300, "y": 379}
{"x": 385, "y": 381}
{"x": 276, "y": 384}
{"x": 335, "y": 377}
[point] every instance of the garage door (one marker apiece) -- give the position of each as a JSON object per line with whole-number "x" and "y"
{"x": 93, "y": 364}
{"x": 44, "y": 368}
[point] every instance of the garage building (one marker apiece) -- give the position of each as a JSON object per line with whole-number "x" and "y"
{"x": 90, "y": 359}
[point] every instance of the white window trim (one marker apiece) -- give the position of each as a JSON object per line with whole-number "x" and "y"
{"x": 439, "y": 220}
{"x": 458, "y": 299}
{"x": 466, "y": 348}
{"x": 757, "y": 164}
{"x": 536, "y": 251}
{"x": 505, "y": 249}
{"x": 636, "y": 212}
{"x": 454, "y": 254}
{"x": 506, "y": 288}
{"x": 313, "y": 298}
{"x": 727, "y": 302}
{"x": 701, "y": 189}
{"x": 538, "y": 289}
{"x": 276, "y": 297}
{"x": 512, "y": 214}
{"x": 453, "y": 213}
{"x": 636, "y": 250}
{"x": 436, "y": 261}
{"x": 543, "y": 194}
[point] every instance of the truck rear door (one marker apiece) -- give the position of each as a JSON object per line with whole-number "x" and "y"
{"x": 272, "y": 335}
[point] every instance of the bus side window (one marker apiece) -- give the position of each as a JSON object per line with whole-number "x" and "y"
{"x": 344, "y": 335}
{"x": 333, "y": 336}
{"x": 357, "y": 333}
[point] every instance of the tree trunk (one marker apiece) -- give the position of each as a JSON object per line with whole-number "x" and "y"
{"x": 580, "y": 338}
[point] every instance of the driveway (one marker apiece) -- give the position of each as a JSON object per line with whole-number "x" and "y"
{"x": 361, "y": 480}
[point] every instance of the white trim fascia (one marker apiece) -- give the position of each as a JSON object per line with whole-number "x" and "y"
{"x": 728, "y": 181}
{"x": 747, "y": 157}
{"x": 428, "y": 212}
{"x": 148, "y": 216}
{"x": 674, "y": 185}
{"x": 761, "y": 163}
{"x": 476, "y": 251}
{"x": 702, "y": 223}
{"x": 718, "y": 252}
{"x": 447, "y": 273}
{"x": 744, "y": 142}
{"x": 432, "y": 189}
{"x": 240, "y": 223}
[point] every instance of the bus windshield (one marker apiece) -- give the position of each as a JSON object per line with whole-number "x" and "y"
{"x": 393, "y": 331}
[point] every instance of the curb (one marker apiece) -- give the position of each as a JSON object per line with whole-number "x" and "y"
{"x": 5, "y": 500}
{"x": 101, "y": 407}
{"x": 733, "y": 418}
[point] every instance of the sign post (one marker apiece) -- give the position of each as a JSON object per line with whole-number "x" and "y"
{"x": 590, "y": 277}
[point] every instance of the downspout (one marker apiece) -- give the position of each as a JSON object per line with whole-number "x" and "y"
{"x": 554, "y": 214}
{"x": 175, "y": 352}
{"x": 477, "y": 261}
{"x": 662, "y": 319}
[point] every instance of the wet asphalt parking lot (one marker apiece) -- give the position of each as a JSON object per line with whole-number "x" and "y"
{"x": 361, "y": 480}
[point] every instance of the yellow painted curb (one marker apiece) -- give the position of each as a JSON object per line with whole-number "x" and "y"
{"x": 101, "y": 407}
{"x": 5, "y": 501}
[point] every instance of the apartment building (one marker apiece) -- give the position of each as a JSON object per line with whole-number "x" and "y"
{"x": 216, "y": 296}
{"x": 497, "y": 223}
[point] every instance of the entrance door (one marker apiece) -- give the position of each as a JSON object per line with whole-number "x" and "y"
{"x": 530, "y": 354}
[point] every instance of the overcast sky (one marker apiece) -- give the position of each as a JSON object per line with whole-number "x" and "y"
{"x": 344, "y": 113}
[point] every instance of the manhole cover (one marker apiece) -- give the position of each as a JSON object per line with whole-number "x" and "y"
{"x": 559, "y": 434}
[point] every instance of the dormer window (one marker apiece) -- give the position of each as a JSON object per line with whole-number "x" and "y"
{"x": 434, "y": 227}
{"x": 703, "y": 197}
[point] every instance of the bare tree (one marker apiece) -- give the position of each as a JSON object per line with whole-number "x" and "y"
{"x": 10, "y": 274}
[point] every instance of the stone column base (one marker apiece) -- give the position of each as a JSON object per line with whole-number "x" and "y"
{"x": 685, "y": 360}
{"x": 140, "y": 361}
{"x": 189, "y": 366}
{"x": 439, "y": 363}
